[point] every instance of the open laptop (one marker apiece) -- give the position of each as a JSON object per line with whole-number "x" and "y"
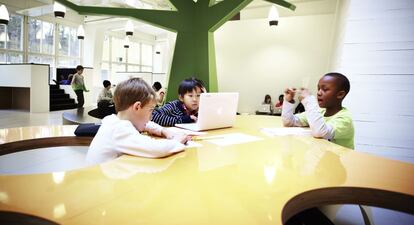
{"x": 216, "y": 110}
{"x": 264, "y": 108}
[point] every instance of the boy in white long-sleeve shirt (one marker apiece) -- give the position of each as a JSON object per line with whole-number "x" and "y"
{"x": 324, "y": 115}
{"x": 106, "y": 93}
{"x": 134, "y": 101}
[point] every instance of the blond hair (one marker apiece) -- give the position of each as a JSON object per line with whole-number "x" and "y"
{"x": 130, "y": 91}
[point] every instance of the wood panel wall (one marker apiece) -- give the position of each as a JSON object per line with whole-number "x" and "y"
{"x": 376, "y": 51}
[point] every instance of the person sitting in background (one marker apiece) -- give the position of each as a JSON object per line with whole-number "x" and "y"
{"x": 121, "y": 133}
{"x": 106, "y": 93}
{"x": 183, "y": 110}
{"x": 299, "y": 108}
{"x": 279, "y": 104}
{"x": 331, "y": 121}
{"x": 160, "y": 93}
{"x": 105, "y": 101}
{"x": 267, "y": 100}
{"x": 267, "y": 105}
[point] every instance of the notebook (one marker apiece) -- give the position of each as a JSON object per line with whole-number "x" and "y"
{"x": 216, "y": 110}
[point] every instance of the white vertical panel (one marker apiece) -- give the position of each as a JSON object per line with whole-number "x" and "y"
{"x": 39, "y": 88}
{"x": 377, "y": 55}
{"x": 15, "y": 75}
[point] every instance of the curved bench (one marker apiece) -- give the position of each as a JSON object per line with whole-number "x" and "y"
{"x": 28, "y": 138}
{"x": 348, "y": 195}
{"x": 79, "y": 116}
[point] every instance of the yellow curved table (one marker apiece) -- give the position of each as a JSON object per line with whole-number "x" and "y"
{"x": 261, "y": 182}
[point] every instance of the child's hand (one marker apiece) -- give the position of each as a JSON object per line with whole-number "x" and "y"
{"x": 182, "y": 138}
{"x": 290, "y": 94}
{"x": 193, "y": 118}
{"x": 178, "y": 136}
{"x": 304, "y": 92}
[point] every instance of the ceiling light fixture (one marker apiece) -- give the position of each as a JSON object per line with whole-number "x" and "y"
{"x": 81, "y": 32}
{"x": 273, "y": 16}
{"x": 4, "y": 15}
{"x": 126, "y": 42}
{"x": 129, "y": 28}
{"x": 59, "y": 10}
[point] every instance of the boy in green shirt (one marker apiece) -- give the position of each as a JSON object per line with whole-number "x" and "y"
{"x": 331, "y": 121}
{"x": 78, "y": 85}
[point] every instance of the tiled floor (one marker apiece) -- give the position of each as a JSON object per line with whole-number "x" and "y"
{"x": 68, "y": 158}
{"x": 17, "y": 118}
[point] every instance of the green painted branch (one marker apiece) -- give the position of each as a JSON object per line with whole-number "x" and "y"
{"x": 159, "y": 18}
{"x": 223, "y": 11}
{"x": 181, "y": 5}
{"x": 283, "y": 3}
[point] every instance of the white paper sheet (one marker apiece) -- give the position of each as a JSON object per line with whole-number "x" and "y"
{"x": 231, "y": 139}
{"x": 281, "y": 131}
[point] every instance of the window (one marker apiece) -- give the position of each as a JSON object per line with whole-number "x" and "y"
{"x": 105, "y": 50}
{"x": 105, "y": 71}
{"x": 41, "y": 42}
{"x": 35, "y": 30}
{"x": 11, "y": 40}
{"x": 147, "y": 55}
{"x": 118, "y": 50}
{"x": 41, "y": 37}
{"x": 69, "y": 47}
{"x": 115, "y": 58}
{"x": 41, "y": 59}
{"x": 48, "y": 38}
{"x": 15, "y": 33}
{"x": 3, "y": 37}
{"x": 134, "y": 53}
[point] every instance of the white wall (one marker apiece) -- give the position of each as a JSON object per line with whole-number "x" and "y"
{"x": 260, "y": 9}
{"x": 375, "y": 51}
{"x": 35, "y": 77}
{"x": 72, "y": 18}
{"x": 255, "y": 59}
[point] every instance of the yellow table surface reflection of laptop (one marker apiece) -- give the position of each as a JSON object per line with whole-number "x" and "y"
{"x": 216, "y": 110}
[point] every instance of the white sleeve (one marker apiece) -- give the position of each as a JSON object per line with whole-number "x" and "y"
{"x": 319, "y": 128}
{"x": 128, "y": 140}
{"x": 154, "y": 128}
{"x": 290, "y": 120}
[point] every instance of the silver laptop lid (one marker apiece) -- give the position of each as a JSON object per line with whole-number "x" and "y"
{"x": 217, "y": 110}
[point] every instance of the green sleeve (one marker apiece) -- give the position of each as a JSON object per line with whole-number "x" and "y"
{"x": 302, "y": 119}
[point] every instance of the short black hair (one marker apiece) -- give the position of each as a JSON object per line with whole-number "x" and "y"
{"x": 79, "y": 67}
{"x": 157, "y": 86}
{"x": 106, "y": 83}
{"x": 342, "y": 81}
{"x": 188, "y": 85}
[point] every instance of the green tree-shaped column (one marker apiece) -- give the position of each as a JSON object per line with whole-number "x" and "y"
{"x": 194, "y": 23}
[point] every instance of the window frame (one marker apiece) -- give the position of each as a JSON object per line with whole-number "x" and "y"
{"x": 6, "y": 50}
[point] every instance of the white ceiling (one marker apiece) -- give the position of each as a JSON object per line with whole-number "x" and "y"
{"x": 117, "y": 23}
